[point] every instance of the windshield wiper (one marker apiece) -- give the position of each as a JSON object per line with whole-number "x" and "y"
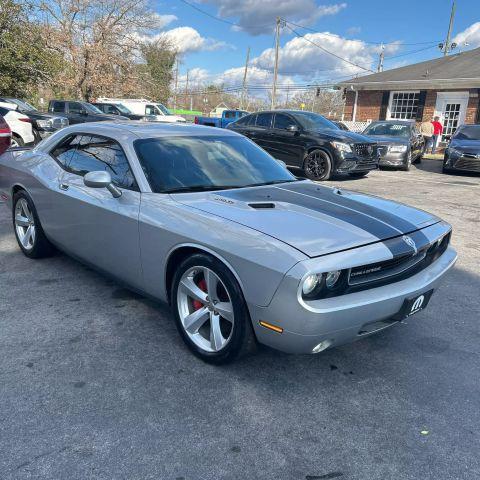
{"x": 200, "y": 188}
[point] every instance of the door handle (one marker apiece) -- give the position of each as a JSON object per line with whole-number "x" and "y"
{"x": 63, "y": 186}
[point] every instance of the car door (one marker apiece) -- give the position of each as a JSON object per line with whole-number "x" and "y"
{"x": 89, "y": 222}
{"x": 260, "y": 132}
{"x": 76, "y": 113}
{"x": 285, "y": 140}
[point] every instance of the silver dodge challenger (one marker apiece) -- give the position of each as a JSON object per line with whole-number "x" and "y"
{"x": 242, "y": 250}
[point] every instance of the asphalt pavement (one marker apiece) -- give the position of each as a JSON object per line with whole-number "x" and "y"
{"x": 95, "y": 382}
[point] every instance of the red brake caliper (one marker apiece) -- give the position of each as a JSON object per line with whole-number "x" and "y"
{"x": 202, "y": 285}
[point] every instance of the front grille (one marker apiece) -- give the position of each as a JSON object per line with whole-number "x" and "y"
{"x": 403, "y": 266}
{"x": 364, "y": 149}
{"x": 468, "y": 164}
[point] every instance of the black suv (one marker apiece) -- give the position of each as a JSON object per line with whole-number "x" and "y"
{"x": 309, "y": 141}
{"x": 80, "y": 112}
{"x": 43, "y": 124}
{"x": 117, "y": 109}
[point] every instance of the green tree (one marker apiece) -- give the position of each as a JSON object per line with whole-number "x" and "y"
{"x": 25, "y": 61}
{"x": 156, "y": 71}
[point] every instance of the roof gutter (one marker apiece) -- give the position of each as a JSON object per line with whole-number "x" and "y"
{"x": 428, "y": 84}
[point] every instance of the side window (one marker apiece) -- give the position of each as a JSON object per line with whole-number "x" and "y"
{"x": 150, "y": 110}
{"x": 282, "y": 121}
{"x": 110, "y": 109}
{"x": 229, "y": 114}
{"x": 63, "y": 151}
{"x": 251, "y": 120}
{"x": 3, "y": 111}
{"x": 264, "y": 120}
{"x": 59, "y": 107}
{"x": 242, "y": 121}
{"x": 100, "y": 153}
{"x": 75, "y": 107}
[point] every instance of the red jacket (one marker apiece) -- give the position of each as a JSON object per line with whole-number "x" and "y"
{"x": 437, "y": 128}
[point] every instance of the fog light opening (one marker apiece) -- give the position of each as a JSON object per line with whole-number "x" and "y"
{"x": 322, "y": 346}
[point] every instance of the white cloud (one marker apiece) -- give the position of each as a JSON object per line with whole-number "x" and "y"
{"x": 187, "y": 39}
{"x": 471, "y": 35}
{"x": 161, "y": 21}
{"x": 258, "y": 17}
{"x": 301, "y": 57}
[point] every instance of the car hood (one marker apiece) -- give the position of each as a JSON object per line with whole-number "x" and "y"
{"x": 470, "y": 146}
{"x": 311, "y": 218}
{"x": 386, "y": 140}
{"x": 341, "y": 135}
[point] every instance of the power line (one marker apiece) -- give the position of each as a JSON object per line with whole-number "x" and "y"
{"x": 411, "y": 52}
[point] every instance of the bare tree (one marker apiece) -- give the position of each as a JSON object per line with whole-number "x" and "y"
{"x": 99, "y": 41}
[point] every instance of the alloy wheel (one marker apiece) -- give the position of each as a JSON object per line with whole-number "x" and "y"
{"x": 205, "y": 309}
{"x": 316, "y": 165}
{"x": 25, "y": 224}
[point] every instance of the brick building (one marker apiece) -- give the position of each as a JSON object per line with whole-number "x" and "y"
{"x": 448, "y": 87}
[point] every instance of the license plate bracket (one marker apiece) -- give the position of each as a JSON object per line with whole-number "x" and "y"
{"x": 414, "y": 305}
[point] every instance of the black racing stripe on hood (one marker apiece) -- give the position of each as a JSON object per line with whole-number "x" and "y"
{"x": 321, "y": 193}
{"x": 372, "y": 225}
{"x": 399, "y": 247}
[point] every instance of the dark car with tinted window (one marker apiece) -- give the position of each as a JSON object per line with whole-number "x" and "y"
{"x": 117, "y": 109}
{"x": 80, "y": 112}
{"x": 43, "y": 124}
{"x": 309, "y": 141}
{"x": 463, "y": 152}
{"x": 399, "y": 142}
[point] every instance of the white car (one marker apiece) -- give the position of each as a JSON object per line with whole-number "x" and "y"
{"x": 153, "y": 111}
{"x": 20, "y": 125}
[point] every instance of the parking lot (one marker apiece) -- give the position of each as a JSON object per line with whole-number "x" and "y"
{"x": 97, "y": 384}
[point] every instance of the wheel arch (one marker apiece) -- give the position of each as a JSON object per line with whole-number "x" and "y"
{"x": 178, "y": 253}
{"x": 316, "y": 147}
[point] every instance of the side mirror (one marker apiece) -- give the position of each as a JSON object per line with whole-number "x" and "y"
{"x": 101, "y": 179}
{"x": 292, "y": 128}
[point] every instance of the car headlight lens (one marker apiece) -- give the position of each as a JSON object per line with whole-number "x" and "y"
{"x": 397, "y": 148}
{"x": 332, "y": 278}
{"x": 342, "y": 147}
{"x": 45, "y": 123}
{"x": 310, "y": 283}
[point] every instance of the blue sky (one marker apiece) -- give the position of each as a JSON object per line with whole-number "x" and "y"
{"x": 214, "y": 51}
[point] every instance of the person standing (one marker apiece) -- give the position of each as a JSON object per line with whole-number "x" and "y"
{"x": 426, "y": 130}
{"x": 437, "y": 130}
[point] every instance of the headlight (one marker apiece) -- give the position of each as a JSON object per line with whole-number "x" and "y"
{"x": 321, "y": 285}
{"x": 45, "y": 123}
{"x": 397, "y": 148}
{"x": 342, "y": 147}
{"x": 454, "y": 151}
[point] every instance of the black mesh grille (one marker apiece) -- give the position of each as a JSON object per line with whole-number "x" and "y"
{"x": 364, "y": 149}
{"x": 468, "y": 164}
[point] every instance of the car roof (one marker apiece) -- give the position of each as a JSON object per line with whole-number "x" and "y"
{"x": 141, "y": 129}
{"x": 401, "y": 122}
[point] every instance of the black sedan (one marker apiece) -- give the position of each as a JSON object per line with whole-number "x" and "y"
{"x": 463, "y": 152}
{"x": 309, "y": 141}
{"x": 399, "y": 142}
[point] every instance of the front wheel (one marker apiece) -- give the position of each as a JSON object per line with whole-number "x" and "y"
{"x": 318, "y": 165}
{"x": 210, "y": 311}
{"x": 408, "y": 162}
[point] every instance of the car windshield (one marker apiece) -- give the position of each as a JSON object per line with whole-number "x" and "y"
{"x": 91, "y": 108}
{"x": 163, "y": 108}
{"x": 123, "y": 108}
{"x": 199, "y": 163}
{"x": 25, "y": 106}
{"x": 388, "y": 129}
{"x": 314, "y": 121}
{"x": 468, "y": 133}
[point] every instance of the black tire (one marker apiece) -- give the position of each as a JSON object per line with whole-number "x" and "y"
{"x": 317, "y": 165}
{"x": 242, "y": 339}
{"x": 41, "y": 246}
{"x": 18, "y": 140}
{"x": 408, "y": 163}
{"x": 358, "y": 174}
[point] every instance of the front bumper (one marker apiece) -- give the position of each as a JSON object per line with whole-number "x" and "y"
{"x": 464, "y": 163}
{"x": 353, "y": 163}
{"x": 393, "y": 159}
{"x": 342, "y": 319}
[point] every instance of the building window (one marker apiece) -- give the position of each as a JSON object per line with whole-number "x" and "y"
{"x": 403, "y": 105}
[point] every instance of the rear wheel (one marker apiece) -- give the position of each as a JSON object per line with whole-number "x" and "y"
{"x": 17, "y": 141}
{"x": 318, "y": 165}
{"x": 28, "y": 230}
{"x": 210, "y": 311}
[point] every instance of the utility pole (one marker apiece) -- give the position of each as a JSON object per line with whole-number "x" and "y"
{"x": 244, "y": 84}
{"x": 186, "y": 90}
{"x": 447, "y": 47}
{"x": 279, "y": 23}
{"x": 176, "y": 86}
{"x": 381, "y": 58}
